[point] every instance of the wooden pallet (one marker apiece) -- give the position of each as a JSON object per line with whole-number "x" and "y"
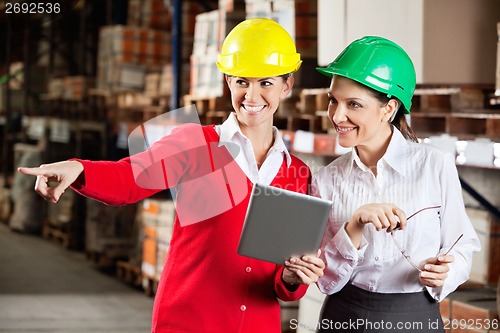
{"x": 463, "y": 306}
{"x": 326, "y": 123}
{"x": 463, "y": 125}
{"x": 215, "y": 117}
{"x": 205, "y": 104}
{"x": 109, "y": 253}
{"x": 312, "y": 100}
{"x": 149, "y": 284}
{"x": 57, "y": 233}
{"x": 100, "y": 260}
{"x": 457, "y": 98}
{"x": 129, "y": 273}
{"x": 304, "y": 122}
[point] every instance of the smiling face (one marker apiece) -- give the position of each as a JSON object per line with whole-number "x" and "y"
{"x": 360, "y": 119}
{"x": 255, "y": 100}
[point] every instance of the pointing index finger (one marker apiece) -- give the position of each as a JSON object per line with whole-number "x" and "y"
{"x": 32, "y": 171}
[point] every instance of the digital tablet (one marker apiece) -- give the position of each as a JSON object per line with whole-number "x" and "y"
{"x": 281, "y": 224}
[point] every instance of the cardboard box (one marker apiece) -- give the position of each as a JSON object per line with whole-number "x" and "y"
{"x": 158, "y": 217}
{"x": 486, "y": 263}
{"x": 479, "y": 152}
{"x": 154, "y": 14}
{"x": 109, "y": 229}
{"x": 497, "y": 82}
{"x": 134, "y": 45}
{"x": 75, "y": 88}
{"x": 206, "y": 79}
{"x": 116, "y": 76}
{"x": 166, "y": 80}
{"x": 56, "y": 88}
{"x": 149, "y": 249}
{"x": 309, "y": 310}
{"x": 298, "y": 17}
{"x": 473, "y": 315}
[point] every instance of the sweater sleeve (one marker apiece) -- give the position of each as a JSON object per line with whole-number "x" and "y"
{"x": 109, "y": 182}
{"x": 282, "y": 291}
{"x": 181, "y": 156}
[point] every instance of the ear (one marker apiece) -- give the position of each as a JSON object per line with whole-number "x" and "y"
{"x": 389, "y": 109}
{"x": 287, "y": 87}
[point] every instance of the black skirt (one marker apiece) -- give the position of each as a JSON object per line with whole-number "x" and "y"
{"x": 357, "y": 310}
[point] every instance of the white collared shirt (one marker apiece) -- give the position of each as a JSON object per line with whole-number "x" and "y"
{"x": 411, "y": 176}
{"x": 230, "y": 132}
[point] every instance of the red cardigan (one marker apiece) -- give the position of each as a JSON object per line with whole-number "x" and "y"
{"x": 205, "y": 285}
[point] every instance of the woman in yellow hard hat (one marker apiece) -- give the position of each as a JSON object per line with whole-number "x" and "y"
{"x": 386, "y": 271}
{"x": 205, "y": 285}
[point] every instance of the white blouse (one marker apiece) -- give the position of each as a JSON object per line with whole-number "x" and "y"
{"x": 412, "y": 176}
{"x": 230, "y": 132}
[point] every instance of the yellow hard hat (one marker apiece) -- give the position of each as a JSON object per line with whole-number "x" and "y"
{"x": 258, "y": 47}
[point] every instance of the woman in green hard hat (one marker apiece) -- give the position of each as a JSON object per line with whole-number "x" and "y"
{"x": 205, "y": 285}
{"x": 387, "y": 269}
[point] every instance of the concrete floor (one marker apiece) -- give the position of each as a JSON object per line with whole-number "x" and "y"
{"x": 46, "y": 288}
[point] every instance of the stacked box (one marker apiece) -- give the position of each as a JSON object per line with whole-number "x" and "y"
{"x": 109, "y": 229}
{"x": 120, "y": 76}
{"x": 206, "y": 34}
{"x": 134, "y": 45}
{"x": 232, "y": 5}
{"x": 158, "y": 219}
{"x": 60, "y": 130}
{"x": 474, "y": 301}
{"x": 126, "y": 100}
{"x": 478, "y": 152}
{"x": 75, "y": 88}
{"x": 486, "y": 263}
{"x": 473, "y": 316}
{"x": 298, "y": 17}
{"x": 154, "y": 14}
{"x": 166, "y": 79}
{"x": 55, "y": 88}
{"x": 497, "y": 85}
{"x": 151, "y": 84}
{"x": 149, "y": 14}
{"x": 206, "y": 79}
{"x": 210, "y": 31}
{"x": 126, "y": 54}
{"x": 160, "y": 84}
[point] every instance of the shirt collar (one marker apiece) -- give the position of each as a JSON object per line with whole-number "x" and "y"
{"x": 231, "y": 128}
{"x": 395, "y": 155}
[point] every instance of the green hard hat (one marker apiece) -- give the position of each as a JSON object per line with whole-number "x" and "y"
{"x": 379, "y": 64}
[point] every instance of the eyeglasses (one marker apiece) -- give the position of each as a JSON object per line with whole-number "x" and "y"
{"x": 403, "y": 252}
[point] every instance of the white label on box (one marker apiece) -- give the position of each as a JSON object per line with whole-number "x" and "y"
{"x": 303, "y": 142}
{"x": 59, "y": 131}
{"x": 479, "y": 152}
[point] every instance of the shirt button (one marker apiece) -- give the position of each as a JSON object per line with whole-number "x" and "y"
{"x": 372, "y": 288}
{"x": 376, "y": 258}
{"x": 243, "y": 308}
{"x": 248, "y": 269}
